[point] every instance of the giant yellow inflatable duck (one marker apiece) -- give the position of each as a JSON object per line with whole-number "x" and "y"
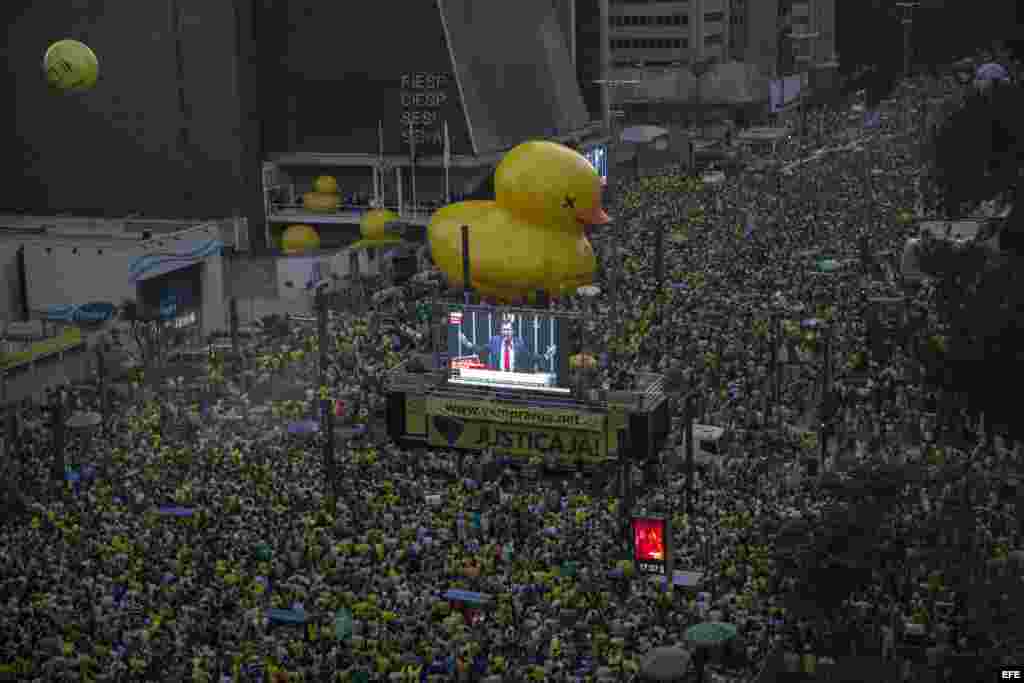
{"x": 532, "y": 237}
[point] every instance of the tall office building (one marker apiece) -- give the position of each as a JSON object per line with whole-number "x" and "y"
{"x": 768, "y": 27}
{"x": 668, "y": 32}
{"x": 738, "y": 28}
{"x": 659, "y": 33}
{"x": 814, "y": 16}
{"x": 658, "y": 42}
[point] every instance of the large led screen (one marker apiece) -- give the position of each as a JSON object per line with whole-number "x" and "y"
{"x": 514, "y": 349}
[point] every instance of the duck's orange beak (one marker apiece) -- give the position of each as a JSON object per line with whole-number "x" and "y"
{"x": 593, "y": 216}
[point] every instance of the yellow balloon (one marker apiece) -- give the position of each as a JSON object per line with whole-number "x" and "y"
{"x": 374, "y": 223}
{"x": 71, "y": 66}
{"x": 299, "y": 238}
{"x": 325, "y": 184}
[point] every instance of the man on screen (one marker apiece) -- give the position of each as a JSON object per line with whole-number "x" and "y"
{"x": 507, "y": 353}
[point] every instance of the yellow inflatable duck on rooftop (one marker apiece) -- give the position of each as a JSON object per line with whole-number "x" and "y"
{"x": 375, "y": 229}
{"x": 533, "y": 236}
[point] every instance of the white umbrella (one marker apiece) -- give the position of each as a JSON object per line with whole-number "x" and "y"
{"x": 642, "y": 134}
{"x": 991, "y": 71}
{"x": 389, "y": 293}
{"x": 665, "y": 664}
{"x": 83, "y": 420}
{"x": 713, "y": 178}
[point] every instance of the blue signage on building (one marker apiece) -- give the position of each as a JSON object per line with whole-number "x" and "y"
{"x": 82, "y": 314}
{"x": 168, "y": 304}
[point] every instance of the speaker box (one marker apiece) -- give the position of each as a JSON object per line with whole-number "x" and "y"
{"x": 396, "y": 415}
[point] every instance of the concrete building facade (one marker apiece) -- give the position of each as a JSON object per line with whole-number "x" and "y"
{"x": 665, "y": 33}
{"x": 668, "y": 32}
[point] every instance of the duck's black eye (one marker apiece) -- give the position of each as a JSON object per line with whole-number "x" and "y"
{"x": 569, "y": 202}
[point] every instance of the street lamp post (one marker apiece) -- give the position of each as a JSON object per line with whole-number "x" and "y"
{"x": 803, "y": 58}
{"x": 824, "y": 431}
{"x": 908, "y": 21}
{"x": 699, "y": 69}
{"x": 326, "y": 414}
{"x": 57, "y": 425}
{"x": 609, "y": 116}
{"x": 101, "y": 376}
{"x": 688, "y": 411}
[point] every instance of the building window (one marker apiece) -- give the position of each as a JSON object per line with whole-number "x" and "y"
{"x": 716, "y": 39}
{"x": 714, "y": 16}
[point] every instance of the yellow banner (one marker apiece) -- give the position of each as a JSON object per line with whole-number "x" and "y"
{"x": 548, "y": 418}
{"x": 515, "y": 440}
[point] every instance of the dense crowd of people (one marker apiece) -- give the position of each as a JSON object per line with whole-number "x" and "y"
{"x": 160, "y": 555}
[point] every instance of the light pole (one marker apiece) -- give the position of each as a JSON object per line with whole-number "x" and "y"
{"x": 101, "y": 375}
{"x": 609, "y": 117}
{"x": 605, "y": 81}
{"x": 699, "y": 69}
{"x": 908, "y": 21}
{"x": 326, "y": 414}
{"x": 688, "y": 416}
{"x": 803, "y": 75}
{"x": 57, "y": 425}
{"x": 606, "y": 60}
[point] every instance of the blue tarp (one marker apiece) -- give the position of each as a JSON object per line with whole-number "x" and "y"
{"x": 682, "y": 579}
{"x": 304, "y": 427}
{"x": 286, "y": 616}
{"x": 175, "y": 510}
{"x": 469, "y": 597}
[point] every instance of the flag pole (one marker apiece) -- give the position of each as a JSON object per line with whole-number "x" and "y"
{"x": 412, "y": 160}
{"x": 380, "y": 162}
{"x": 447, "y": 165}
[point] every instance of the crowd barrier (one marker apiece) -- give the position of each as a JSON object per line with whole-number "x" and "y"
{"x": 70, "y": 338}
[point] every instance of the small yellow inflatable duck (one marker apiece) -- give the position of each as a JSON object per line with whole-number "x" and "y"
{"x": 532, "y": 237}
{"x": 375, "y": 229}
